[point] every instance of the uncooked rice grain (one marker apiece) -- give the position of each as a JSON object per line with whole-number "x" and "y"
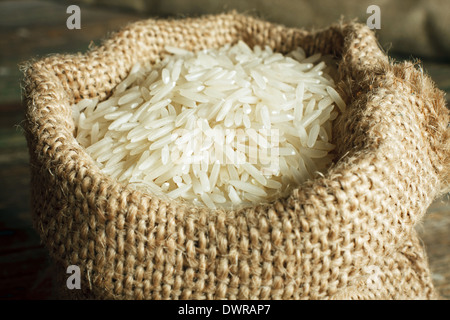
{"x": 222, "y": 128}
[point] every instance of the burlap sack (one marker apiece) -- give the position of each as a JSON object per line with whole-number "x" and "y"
{"x": 347, "y": 234}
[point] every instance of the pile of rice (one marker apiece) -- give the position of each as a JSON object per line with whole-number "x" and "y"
{"x": 223, "y": 127}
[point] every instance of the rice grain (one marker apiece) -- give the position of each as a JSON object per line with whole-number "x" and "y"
{"x": 222, "y": 127}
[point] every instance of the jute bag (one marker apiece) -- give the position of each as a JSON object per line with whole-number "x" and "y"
{"x": 349, "y": 233}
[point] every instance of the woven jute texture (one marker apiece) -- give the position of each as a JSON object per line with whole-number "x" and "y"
{"x": 348, "y": 233}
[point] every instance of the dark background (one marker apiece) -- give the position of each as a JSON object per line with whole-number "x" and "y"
{"x": 412, "y": 30}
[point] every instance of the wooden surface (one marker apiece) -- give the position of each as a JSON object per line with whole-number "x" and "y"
{"x": 37, "y": 28}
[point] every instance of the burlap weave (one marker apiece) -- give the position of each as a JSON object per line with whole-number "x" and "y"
{"x": 347, "y": 234}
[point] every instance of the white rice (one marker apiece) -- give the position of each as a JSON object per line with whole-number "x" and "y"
{"x": 222, "y": 128}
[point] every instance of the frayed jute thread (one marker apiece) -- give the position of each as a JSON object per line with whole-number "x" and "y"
{"x": 323, "y": 241}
